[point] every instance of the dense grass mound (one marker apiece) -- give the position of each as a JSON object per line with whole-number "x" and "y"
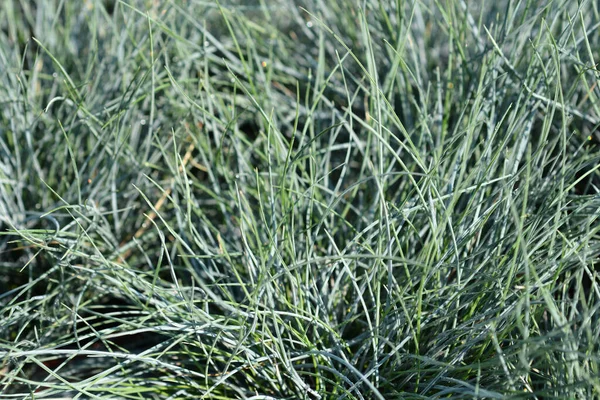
{"x": 299, "y": 199}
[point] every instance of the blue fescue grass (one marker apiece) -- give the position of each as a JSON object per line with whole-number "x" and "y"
{"x": 282, "y": 200}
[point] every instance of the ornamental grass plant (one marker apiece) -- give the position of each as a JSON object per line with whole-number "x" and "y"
{"x": 299, "y": 199}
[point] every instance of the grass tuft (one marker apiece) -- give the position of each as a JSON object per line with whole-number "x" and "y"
{"x": 299, "y": 199}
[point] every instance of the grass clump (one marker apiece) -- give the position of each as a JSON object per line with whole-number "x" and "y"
{"x": 299, "y": 199}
